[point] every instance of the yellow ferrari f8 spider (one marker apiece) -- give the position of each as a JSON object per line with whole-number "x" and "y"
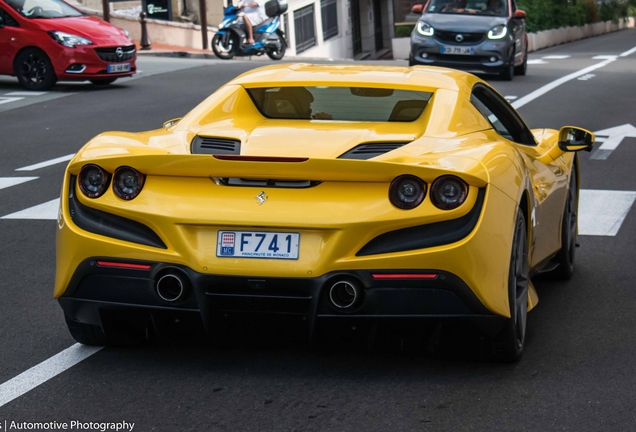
{"x": 325, "y": 194}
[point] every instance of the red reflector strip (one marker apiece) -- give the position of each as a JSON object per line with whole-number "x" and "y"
{"x": 123, "y": 265}
{"x": 404, "y": 276}
{"x": 259, "y": 158}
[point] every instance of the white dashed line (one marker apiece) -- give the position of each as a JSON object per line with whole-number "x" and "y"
{"x": 586, "y": 77}
{"x": 554, "y": 84}
{"x": 628, "y": 52}
{"x": 6, "y": 182}
{"x": 556, "y": 57}
{"x": 537, "y": 61}
{"x": 41, "y": 373}
{"x": 605, "y": 57}
{"x": 46, "y": 211}
{"x": 47, "y": 163}
{"x": 25, "y": 93}
{"x": 4, "y": 100}
{"x": 510, "y": 97}
{"x": 602, "y": 212}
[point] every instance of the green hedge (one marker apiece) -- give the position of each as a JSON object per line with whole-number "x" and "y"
{"x": 550, "y": 14}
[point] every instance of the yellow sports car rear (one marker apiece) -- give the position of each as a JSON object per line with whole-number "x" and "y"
{"x": 326, "y": 194}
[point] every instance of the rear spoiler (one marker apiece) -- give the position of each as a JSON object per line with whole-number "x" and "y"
{"x": 291, "y": 169}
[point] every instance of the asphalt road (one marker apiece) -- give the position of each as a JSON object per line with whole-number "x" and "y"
{"x": 578, "y": 372}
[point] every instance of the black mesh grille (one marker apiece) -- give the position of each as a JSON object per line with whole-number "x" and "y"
{"x": 109, "y": 55}
{"x": 451, "y": 37}
{"x": 204, "y": 145}
{"x": 370, "y": 150}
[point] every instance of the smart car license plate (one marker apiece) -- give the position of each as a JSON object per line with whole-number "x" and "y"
{"x": 258, "y": 244}
{"x": 457, "y": 50}
{"x": 120, "y": 67}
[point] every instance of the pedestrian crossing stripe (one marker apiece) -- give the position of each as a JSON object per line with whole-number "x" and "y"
{"x": 45, "y": 211}
{"x": 6, "y": 182}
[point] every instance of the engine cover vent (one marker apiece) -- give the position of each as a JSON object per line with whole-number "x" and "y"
{"x": 206, "y": 145}
{"x": 370, "y": 150}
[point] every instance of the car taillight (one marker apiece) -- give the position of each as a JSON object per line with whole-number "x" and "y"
{"x": 407, "y": 192}
{"x": 448, "y": 192}
{"x": 93, "y": 181}
{"x": 127, "y": 182}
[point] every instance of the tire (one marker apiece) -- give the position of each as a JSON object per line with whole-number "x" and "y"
{"x": 565, "y": 257}
{"x": 523, "y": 67}
{"x": 412, "y": 61}
{"x": 277, "y": 54}
{"x": 509, "y": 72}
{"x": 103, "y": 81}
{"x": 224, "y": 52}
{"x": 508, "y": 344}
{"x": 34, "y": 70}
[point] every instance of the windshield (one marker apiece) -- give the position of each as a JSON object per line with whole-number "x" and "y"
{"x": 340, "y": 103}
{"x": 470, "y": 7}
{"x": 43, "y": 8}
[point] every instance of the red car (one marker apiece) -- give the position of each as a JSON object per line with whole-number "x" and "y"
{"x": 43, "y": 41}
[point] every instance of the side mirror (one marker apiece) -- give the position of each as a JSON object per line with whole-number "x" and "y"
{"x": 171, "y": 123}
{"x": 520, "y": 14}
{"x": 417, "y": 9}
{"x": 573, "y": 139}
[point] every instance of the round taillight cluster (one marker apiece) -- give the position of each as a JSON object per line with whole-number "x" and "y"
{"x": 94, "y": 181}
{"x": 407, "y": 192}
{"x": 447, "y": 192}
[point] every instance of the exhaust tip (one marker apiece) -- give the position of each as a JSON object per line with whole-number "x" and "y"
{"x": 344, "y": 295}
{"x": 170, "y": 287}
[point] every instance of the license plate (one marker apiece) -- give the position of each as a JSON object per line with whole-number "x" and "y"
{"x": 458, "y": 50}
{"x": 121, "y": 67}
{"x": 258, "y": 244}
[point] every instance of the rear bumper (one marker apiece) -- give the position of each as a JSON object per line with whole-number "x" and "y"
{"x": 96, "y": 291}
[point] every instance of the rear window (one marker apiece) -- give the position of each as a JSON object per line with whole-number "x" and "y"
{"x": 340, "y": 103}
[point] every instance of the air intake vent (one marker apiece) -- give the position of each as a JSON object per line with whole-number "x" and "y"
{"x": 371, "y": 150}
{"x": 204, "y": 145}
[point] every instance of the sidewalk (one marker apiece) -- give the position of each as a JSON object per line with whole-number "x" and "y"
{"x": 163, "y": 50}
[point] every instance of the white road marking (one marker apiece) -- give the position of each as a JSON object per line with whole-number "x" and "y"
{"x": 4, "y": 100}
{"x": 586, "y": 77}
{"x": 41, "y": 373}
{"x": 554, "y": 84}
{"x": 47, "y": 163}
{"x": 602, "y": 212}
{"x": 45, "y": 211}
{"x": 556, "y": 57}
{"x": 25, "y": 93}
{"x": 604, "y": 57}
{"x": 510, "y": 97}
{"x": 537, "y": 61}
{"x": 628, "y": 52}
{"x": 611, "y": 139}
{"x": 6, "y": 182}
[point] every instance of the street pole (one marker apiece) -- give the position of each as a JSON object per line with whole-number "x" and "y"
{"x": 106, "y": 9}
{"x": 203, "y": 17}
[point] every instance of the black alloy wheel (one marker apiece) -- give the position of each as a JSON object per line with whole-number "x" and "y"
{"x": 565, "y": 257}
{"x": 523, "y": 67}
{"x": 224, "y": 50}
{"x": 508, "y": 345}
{"x": 103, "y": 81}
{"x": 34, "y": 70}
{"x": 279, "y": 52}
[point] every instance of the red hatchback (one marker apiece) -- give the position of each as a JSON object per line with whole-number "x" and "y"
{"x": 42, "y": 41}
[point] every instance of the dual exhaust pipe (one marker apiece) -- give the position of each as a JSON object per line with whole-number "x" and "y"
{"x": 344, "y": 295}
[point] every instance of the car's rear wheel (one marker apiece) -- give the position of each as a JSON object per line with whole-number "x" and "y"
{"x": 34, "y": 70}
{"x": 508, "y": 344}
{"x": 565, "y": 257}
{"x": 103, "y": 81}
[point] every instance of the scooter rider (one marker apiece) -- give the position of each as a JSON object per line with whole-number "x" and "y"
{"x": 253, "y": 13}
